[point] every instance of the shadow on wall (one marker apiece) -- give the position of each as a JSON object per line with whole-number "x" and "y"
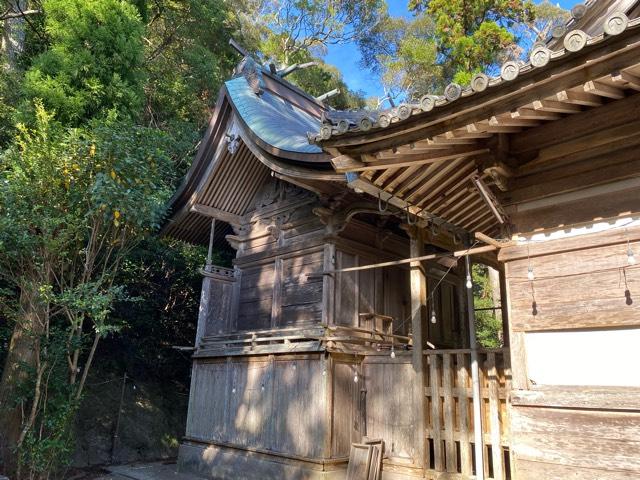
{"x": 152, "y": 419}
{"x": 275, "y": 405}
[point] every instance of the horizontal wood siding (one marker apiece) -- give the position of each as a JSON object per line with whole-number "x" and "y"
{"x": 301, "y": 295}
{"x": 604, "y": 441}
{"x": 574, "y": 432}
{"x": 592, "y": 292}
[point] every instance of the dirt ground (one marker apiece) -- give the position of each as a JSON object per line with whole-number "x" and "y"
{"x": 145, "y": 471}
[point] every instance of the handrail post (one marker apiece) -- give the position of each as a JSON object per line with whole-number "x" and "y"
{"x": 475, "y": 378}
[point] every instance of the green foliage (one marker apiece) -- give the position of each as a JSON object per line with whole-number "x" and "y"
{"x": 451, "y": 40}
{"x": 92, "y": 66}
{"x": 488, "y": 317}
{"x": 8, "y": 98}
{"x": 187, "y": 58}
{"x": 471, "y": 35}
{"x": 50, "y": 447}
{"x": 151, "y": 324}
{"x": 73, "y": 203}
{"x": 404, "y": 52}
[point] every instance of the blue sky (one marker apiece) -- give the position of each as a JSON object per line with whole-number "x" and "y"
{"x": 347, "y": 57}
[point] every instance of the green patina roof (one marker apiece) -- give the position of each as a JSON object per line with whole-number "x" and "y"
{"x": 272, "y": 119}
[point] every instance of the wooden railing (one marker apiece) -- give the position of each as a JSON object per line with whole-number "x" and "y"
{"x": 449, "y": 413}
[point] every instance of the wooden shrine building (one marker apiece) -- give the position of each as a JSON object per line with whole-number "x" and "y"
{"x": 346, "y": 312}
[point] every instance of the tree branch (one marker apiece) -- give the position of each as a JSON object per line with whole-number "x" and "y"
{"x": 8, "y": 15}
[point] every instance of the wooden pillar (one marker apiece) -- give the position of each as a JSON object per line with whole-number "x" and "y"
{"x": 418, "y": 322}
{"x": 211, "y": 236}
{"x": 504, "y": 310}
{"x": 475, "y": 377}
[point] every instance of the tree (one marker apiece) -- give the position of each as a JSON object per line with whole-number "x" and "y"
{"x": 14, "y": 14}
{"x": 73, "y": 203}
{"x": 93, "y": 64}
{"x": 299, "y": 31}
{"x": 451, "y": 40}
{"x": 303, "y": 25}
{"x": 187, "y": 58}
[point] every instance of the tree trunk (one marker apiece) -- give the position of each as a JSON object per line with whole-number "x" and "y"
{"x": 13, "y": 34}
{"x": 27, "y": 329}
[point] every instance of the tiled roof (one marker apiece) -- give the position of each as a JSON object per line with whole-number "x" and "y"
{"x": 337, "y": 123}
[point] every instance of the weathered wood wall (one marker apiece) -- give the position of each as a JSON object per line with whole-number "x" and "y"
{"x": 568, "y": 431}
{"x": 271, "y": 403}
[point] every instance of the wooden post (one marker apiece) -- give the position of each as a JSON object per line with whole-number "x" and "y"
{"x": 504, "y": 311}
{"x": 418, "y": 318}
{"x": 475, "y": 379}
{"x": 211, "y": 234}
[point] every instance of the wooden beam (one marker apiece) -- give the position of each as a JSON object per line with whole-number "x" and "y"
{"x": 345, "y": 163}
{"x": 617, "y": 135}
{"x": 594, "y": 61}
{"x": 531, "y": 114}
{"x": 483, "y": 128}
{"x": 583, "y": 124}
{"x": 555, "y": 106}
{"x": 603, "y": 90}
{"x": 579, "y": 98}
{"x": 216, "y": 213}
{"x": 435, "y": 154}
{"x": 404, "y": 261}
{"x": 512, "y": 121}
{"x": 367, "y": 187}
{"x": 491, "y": 241}
{"x": 631, "y": 81}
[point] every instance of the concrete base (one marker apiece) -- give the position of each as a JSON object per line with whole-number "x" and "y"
{"x": 227, "y": 463}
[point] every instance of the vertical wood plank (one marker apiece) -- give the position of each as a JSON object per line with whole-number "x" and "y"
{"x": 328, "y": 285}
{"x": 418, "y": 290}
{"x": 327, "y": 372}
{"x": 516, "y": 343}
{"x": 450, "y": 446}
{"x": 276, "y": 299}
{"x": 235, "y": 304}
{"x": 463, "y": 417}
{"x": 484, "y": 407}
{"x": 494, "y": 417}
{"x": 436, "y": 414}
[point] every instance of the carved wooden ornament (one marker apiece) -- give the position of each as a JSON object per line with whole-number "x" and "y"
{"x": 575, "y": 40}
{"x": 616, "y": 23}
{"x": 510, "y": 71}
{"x": 540, "y": 56}
{"x": 479, "y": 82}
